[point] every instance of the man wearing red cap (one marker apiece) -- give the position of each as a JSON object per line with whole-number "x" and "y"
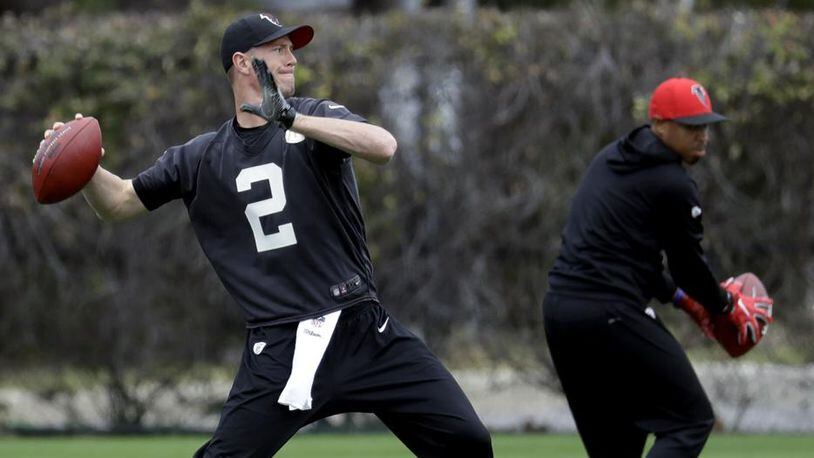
{"x": 272, "y": 197}
{"x": 624, "y": 375}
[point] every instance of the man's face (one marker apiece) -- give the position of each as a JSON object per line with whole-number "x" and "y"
{"x": 279, "y": 57}
{"x": 689, "y": 142}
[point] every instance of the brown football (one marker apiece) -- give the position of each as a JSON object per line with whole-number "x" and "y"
{"x": 67, "y": 160}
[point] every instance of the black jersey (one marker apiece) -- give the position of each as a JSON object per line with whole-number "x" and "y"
{"x": 278, "y": 216}
{"x": 635, "y": 202}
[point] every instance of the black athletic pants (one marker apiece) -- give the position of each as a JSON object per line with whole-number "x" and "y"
{"x": 625, "y": 376}
{"x": 372, "y": 364}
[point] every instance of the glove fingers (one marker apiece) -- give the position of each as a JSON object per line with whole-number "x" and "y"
{"x": 764, "y": 307}
{"x": 283, "y": 101}
{"x": 253, "y": 109}
{"x": 259, "y": 66}
{"x": 731, "y": 284}
{"x": 278, "y": 98}
{"x": 743, "y": 307}
{"x": 751, "y": 334}
{"x": 263, "y": 74}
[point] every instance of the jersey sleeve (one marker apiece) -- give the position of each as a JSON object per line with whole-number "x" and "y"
{"x": 329, "y": 109}
{"x": 682, "y": 232}
{"x": 171, "y": 177}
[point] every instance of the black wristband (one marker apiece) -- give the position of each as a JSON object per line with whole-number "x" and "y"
{"x": 287, "y": 117}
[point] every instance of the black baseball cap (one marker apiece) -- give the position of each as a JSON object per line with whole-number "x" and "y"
{"x": 257, "y": 29}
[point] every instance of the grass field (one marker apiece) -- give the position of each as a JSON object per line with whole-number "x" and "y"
{"x": 376, "y": 446}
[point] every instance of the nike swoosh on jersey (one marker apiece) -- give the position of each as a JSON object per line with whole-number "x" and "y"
{"x": 382, "y": 327}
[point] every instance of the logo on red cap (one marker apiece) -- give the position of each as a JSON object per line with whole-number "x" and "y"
{"x": 698, "y": 91}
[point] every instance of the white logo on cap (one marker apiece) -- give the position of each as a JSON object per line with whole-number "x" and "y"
{"x": 699, "y": 93}
{"x": 271, "y": 19}
{"x": 695, "y": 211}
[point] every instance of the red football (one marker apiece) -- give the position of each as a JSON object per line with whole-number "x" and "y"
{"x": 67, "y": 160}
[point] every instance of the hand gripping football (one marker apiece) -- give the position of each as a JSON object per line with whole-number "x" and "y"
{"x": 66, "y": 160}
{"x": 745, "y": 324}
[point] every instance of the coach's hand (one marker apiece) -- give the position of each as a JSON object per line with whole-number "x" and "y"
{"x": 750, "y": 316}
{"x": 273, "y": 107}
{"x": 695, "y": 310}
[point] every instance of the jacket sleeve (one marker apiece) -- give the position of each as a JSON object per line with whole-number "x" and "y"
{"x": 664, "y": 291}
{"x": 681, "y": 228}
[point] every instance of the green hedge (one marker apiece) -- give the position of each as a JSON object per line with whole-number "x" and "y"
{"x": 496, "y": 114}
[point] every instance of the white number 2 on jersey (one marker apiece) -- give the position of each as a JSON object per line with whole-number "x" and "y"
{"x": 276, "y": 203}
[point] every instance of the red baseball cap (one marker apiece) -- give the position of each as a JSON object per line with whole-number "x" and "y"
{"x": 684, "y": 101}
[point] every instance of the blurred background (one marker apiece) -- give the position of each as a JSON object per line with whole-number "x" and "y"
{"x": 497, "y": 105}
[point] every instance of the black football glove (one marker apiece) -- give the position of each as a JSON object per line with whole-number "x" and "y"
{"x": 273, "y": 107}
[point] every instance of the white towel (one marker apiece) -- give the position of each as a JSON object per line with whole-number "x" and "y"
{"x": 312, "y": 339}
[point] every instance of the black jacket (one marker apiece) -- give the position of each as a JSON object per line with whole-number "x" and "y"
{"x": 635, "y": 202}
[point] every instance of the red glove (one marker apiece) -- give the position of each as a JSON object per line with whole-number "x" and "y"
{"x": 745, "y": 323}
{"x": 695, "y": 310}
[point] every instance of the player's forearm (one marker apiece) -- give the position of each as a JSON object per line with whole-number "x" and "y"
{"x": 359, "y": 139}
{"x": 111, "y": 197}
